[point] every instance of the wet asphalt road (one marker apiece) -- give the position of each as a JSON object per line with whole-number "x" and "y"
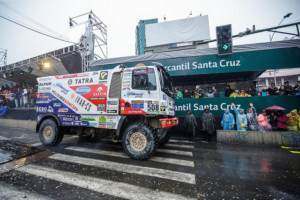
{"x": 85, "y": 169}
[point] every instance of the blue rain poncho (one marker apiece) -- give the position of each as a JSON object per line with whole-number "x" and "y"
{"x": 240, "y": 119}
{"x": 228, "y": 121}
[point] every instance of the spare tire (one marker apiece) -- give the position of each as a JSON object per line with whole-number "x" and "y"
{"x": 139, "y": 141}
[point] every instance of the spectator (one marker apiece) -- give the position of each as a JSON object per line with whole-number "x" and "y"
{"x": 293, "y": 121}
{"x": 281, "y": 91}
{"x": 288, "y": 88}
{"x": 296, "y": 87}
{"x": 17, "y": 99}
{"x": 187, "y": 94}
{"x": 243, "y": 94}
{"x": 32, "y": 96}
{"x": 198, "y": 92}
{"x": 273, "y": 121}
{"x": 11, "y": 97}
{"x": 241, "y": 119}
{"x": 259, "y": 94}
{"x": 297, "y": 90}
{"x": 235, "y": 94}
{"x": 267, "y": 94}
{"x": 190, "y": 125}
{"x": 21, "y": 98}
{"x": 251, "y": 91}
{"x": 228, "y": 120}
{"x": 252, "y": 119}
{"x": 228, "y": 91}
{"x": 25, "y": 97}
{"x": 281, "y": 121}
{"x": 272, "y": 89}
{"x": 211, "y": 93}
{"x": 208, "y": 124}
{"x": 264, "y": 121}
{"x": 264, "y": 92}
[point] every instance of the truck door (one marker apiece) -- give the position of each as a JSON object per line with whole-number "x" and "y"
{"x": 140, "y": 94}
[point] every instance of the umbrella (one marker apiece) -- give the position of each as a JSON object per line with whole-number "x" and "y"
{"x": 275, "y": 108}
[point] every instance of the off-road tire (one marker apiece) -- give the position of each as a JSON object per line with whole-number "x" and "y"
{"x": 53, "y": 139}
{"x": 165, "y": 138}
{"x": 146, "y": 136}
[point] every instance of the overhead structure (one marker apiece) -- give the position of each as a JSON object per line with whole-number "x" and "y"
{"x": 89, "y": 45}
{"x": 93, "y": 42}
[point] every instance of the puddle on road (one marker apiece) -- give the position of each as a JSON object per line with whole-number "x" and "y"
{"x": 14, "y": 154}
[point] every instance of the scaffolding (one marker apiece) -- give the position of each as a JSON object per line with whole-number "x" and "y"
{"x": 3, "y": 58}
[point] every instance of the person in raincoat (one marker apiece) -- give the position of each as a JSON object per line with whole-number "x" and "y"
{"x": 208, "y": 124}
{"x": 179, "y": 94}
{"x": 293, "y": 121}
{"x": 241, "y": 119}
{"x": 263, "y": 121}
{"x": 252, "y": 119}
{"x": 190, "y": 125}
{"x": 228, "y": 120}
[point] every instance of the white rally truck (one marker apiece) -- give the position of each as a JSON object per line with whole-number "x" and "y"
{"x": 134, "y": 105}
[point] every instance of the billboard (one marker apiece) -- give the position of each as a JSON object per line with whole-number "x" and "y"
{"x": 177, "y": 31}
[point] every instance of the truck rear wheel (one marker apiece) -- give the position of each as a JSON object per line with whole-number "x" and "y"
{"x": 139, "y": 141}
{"x": 49, "y": 133}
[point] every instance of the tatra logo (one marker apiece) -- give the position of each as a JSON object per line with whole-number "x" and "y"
{"x": 70, "y": 81}
{"x": 83, "y": 80}
{"x": 103, "y": 75}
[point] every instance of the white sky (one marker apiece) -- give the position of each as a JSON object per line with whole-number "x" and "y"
{"x": 122, "y": 16}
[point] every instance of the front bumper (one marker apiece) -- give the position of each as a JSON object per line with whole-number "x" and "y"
{"x": 169, "y": 122}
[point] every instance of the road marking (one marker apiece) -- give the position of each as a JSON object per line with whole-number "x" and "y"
{"x": 10, "y": 192}
{"x": 181, "y": 141}
{"x": 118, "y": 189}
{"x": 176, "y": 152}
{"x": 147, "y": 171}
{"x": 283, "y": 147}
{"x": 123, "y": 155}
{"x": 295, "y": 151}
{"x": 180, "y": 146}
{"x": 36, "y": 144}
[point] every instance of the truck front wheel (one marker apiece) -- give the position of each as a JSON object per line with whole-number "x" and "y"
{"x": 139, "y": 141}
{"x": 49, "y": 133}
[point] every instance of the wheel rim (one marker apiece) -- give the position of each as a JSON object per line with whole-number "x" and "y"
{"x": 138, "y": 141}
{"x": 48, "y": 132}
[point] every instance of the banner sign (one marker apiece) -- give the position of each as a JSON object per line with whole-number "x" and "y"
{"x": 236, "y": 62}
{"x": 218, "y": 105}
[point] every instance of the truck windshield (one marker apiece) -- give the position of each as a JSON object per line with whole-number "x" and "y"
{"x": 140, "y": 81}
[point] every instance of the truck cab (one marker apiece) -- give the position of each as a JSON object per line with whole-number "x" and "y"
{"x": 134, "y": 105}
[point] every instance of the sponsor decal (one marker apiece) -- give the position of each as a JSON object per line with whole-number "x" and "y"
{"x": 83, "y": 80}
{"x": 44, "y": 79}
{"x": 142, "y": 71}
{"x": 102, "y": 119}
{"x": 95, "y": 73}
{"x": 101, "y": 125}
{"x": 68, "y": 119}
{"x": 97, "y": 98}
{"x": 50, "y": 109}
{"x": 164, "y": 97}
{"x": 126, "y": 88}
{"x": 83, "y": 103}
{"x": 64, "y": 100}
{"x": 112, "y": 102}
{"x": 83, "y": 90}
{"x": 87, "y": 119}
{"x": 137, "y": 101}
{"x": 100, "y": 91}
{"x": 93, "y": 124}
{"x": 163, "y": 108}
{"x": 101, "y": 107}
{"x": 135, "y": 94}
{"x": 44, "y": 89}
{"x": 112, "y": 111}
{"x": 40, "y": 102}
{"x": 103, "y": 75}
{"x": 57, "y": 104}
{"x": 63, "y": 90}
{"x": 63, "y": 110}
{"x": 42, "y": 96}
{"x": 41, "y": 109}
{"x": 137, "y": 105}
{"x": 70, "y": 81}
{"x": 153, "y": 106}
{"x": 45, "y": 84}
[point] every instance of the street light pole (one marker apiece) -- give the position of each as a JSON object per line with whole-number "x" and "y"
{"x": 285, "y": 16}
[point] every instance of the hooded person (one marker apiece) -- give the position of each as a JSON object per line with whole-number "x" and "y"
{"x": 241, "y": 119}
{"x": 208, "y": 124}
{"x": 190, "y": 124}
{"x": 293, "y": 121}
{"x": 263, "y": 121}
{"x": 235, "y": 94}
{"x": 228, "y": 120}
{"x": 252, "y": 119}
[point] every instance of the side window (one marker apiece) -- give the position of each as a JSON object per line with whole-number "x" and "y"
{"x": 142, "y": 78}
{"x": 115, "y": 86}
